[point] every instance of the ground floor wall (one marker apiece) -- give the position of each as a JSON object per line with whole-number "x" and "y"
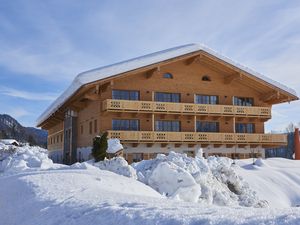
{"x": 144, "y": 152}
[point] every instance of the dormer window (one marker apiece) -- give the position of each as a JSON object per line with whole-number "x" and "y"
{"x": 206, "y": 78}
{"x": 168, "y": 76}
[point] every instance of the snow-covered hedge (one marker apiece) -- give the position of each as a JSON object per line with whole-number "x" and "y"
{"x": 211, "y": 181}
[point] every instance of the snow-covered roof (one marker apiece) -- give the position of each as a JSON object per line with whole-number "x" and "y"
{"x": 9, "y": 141}
{"x": 139, "y": 62}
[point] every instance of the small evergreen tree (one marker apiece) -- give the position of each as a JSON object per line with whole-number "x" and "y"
{"x": 99, "y": 147}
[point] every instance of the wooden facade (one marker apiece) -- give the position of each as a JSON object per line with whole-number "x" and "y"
{"x": 192, "y": 74}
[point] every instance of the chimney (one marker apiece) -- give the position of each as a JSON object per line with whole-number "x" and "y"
{"x": 297, "y": 144}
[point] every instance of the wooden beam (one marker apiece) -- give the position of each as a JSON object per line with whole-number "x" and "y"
{"x": 232, "y": 77}
{"x": 104, "y": 86}
{"x": 268, "y": 96}
{"x": 74, "y": 108}
{"x": 193, "y": 59}
{"x": 151, "y": 72}
{"x": 93, "y": 97}
{"x": 79, "y": 104}
{"x": 97, "y": 89}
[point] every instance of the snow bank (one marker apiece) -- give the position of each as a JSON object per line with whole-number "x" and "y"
{"x": 275, "y": 179}
{"x": 171, "y": 180}
{"x": 117, "y": 165}
{"x": 211, "y": 181}
{"x": 114, "y": 145}
{"x": 16, "y": 159}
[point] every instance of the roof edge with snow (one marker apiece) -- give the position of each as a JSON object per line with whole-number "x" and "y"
{"x": 146, "y": 60}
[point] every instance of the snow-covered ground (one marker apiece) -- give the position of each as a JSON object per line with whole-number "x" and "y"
{"x": 39, "y": 192}
{"x": 276, "y": 180}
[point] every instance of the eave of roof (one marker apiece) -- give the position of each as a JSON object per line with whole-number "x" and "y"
{"x": 146, "y": 60}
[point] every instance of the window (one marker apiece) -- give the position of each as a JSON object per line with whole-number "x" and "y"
{"x": 126, "y": 95}
{"x": 243, "y": 101}
{"x": 57, "y": 139}
{"x": 61, "y": 138}
{"x": 125, "y": 124}
{"x": 95, "y": 126}
{"x": 136, "y": 157}
{"x": 165, "y": 125}
{"x": 207, "y": 99}
{"x": 167, "y": 97}
{"x": 91, "y": 127}
{"x": 205, "y": 126}
{"x": 206, "y": 78}
{"x": 168, "y": 75}
{"x": 244, "y": 128}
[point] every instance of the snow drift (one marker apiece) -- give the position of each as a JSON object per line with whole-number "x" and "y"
{"x": 117, "y": 165}
{"x": 212, "y": 181}
{"x": 16, "y": 159}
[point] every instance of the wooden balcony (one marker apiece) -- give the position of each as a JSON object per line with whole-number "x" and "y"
{"x": 185, "y": 108}
{"x": 265, "y": 140}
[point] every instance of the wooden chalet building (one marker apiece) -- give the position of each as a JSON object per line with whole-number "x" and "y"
{"x": 178, "y": 99}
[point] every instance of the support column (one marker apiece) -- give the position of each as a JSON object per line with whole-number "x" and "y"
{"x": 153, "y": 122}
{"x": 195, "y": 123}
{"x": 297, "y": 144}
{"x": 233, "y": 121}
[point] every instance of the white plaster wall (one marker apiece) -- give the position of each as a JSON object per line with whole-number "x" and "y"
{"x": 56, "y": 155}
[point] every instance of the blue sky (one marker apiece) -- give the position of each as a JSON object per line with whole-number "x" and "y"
{"x": 45, "y": 44}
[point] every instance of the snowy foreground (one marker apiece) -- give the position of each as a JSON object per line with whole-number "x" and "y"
{"x": 172, "y": 189}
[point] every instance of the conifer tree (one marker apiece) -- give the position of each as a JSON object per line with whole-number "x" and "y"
{"x": 99, "y": 147}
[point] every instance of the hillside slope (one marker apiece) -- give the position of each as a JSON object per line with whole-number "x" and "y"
{"x": 11, "y": 128}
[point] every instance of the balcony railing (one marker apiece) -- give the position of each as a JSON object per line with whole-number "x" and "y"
{"x": 185, "y": 108}
{"x": 199, "y": 137}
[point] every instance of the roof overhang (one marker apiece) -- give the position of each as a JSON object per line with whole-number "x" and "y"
{"x": 144, "y": 63}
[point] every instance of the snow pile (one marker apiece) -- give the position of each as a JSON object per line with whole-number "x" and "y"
{"x": 114, "y": 145}
{"x": 16, "y": 159}
{"x": 117, "y": 165}
{"x": 275, "y": 179}
{"x": 6, "y": 150}
{"x": 212, "y": 181}
{"x": 171, "y": 180}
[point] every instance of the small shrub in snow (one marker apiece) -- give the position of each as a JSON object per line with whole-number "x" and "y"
{"x": 99, "y": 147}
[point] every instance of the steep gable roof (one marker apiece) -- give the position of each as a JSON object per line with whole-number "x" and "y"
{"x": 146, "y": 60}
